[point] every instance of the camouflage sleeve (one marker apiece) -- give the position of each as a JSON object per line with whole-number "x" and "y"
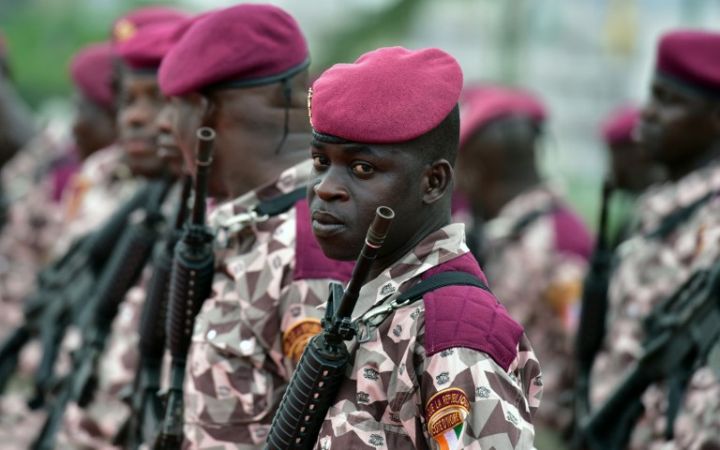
{"x": 698, "y": 424}
{"x": 470, "y": 402}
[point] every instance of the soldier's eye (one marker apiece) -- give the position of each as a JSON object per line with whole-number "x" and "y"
{"x": 362, "y": 169}
{"x": 320, "y": 162}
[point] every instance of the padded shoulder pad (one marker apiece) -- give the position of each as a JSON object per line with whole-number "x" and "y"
{"x": 571, "y": 234}
{"x": 310, "y": 261}
{"x": 468, "y": 316}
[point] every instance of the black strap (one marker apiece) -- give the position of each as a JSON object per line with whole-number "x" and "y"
{"x": 677, "y": 217}
{"x": 436, "y": 282}
{"x": 281, "y": 203}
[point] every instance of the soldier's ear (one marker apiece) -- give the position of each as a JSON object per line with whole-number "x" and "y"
{"x": 436, "y": 181}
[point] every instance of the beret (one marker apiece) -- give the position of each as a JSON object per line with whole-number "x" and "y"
{"x": 619, "y": 125}
{"x": 240, "y": 46}
{"x": 91, "y": 71}
{"x": 146, "y": 49}
{"x": 481, "y": 105}
{"x": 388, "y": 95}
{"x": 690, "y": 58}
{"x": 126, "y": 26}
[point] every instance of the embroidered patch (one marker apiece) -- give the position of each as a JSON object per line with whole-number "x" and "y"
{"x": 445, "y": 414}
{"x": 297, "y": 337}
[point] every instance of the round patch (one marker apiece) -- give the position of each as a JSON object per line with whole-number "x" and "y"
{"x": 298, "y": 335}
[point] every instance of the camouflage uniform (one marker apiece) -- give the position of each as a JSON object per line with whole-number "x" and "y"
{"x": 250, "y": 333}
{"x": 535, "y": 255}
{"x": 404, "y": 391}
{"x": 103, "y": 183}
{"x": 648, "y": 270}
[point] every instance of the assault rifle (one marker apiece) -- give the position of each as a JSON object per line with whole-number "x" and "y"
{"x": 680, "y": 334}
{"x": 314, "y": 385}
{"x": 145, "y": 403}
{"x": 591, "y": 331}
{"x": 63, "y": 288}
{"x": 190, "y": 286}
{"x": 122, "y": 272}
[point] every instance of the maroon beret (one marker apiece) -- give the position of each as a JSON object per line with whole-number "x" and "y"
{"x": 481, "y": 105}
{"x": 91, "y": 71}
{"x": 619, "y": 125}
{"x": 146, "y": 49}
{"x": 241, "y": 46}
{"x": 388, "y": 95}
{"x": 690, "y": 57}
{"x": 126, "y": 26}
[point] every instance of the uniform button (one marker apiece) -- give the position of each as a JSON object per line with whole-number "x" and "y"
{"x": 211, "y": 334}
{"x": 246, "y": 346}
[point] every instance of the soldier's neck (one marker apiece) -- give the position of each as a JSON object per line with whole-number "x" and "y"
{"x": 680, "y": 169}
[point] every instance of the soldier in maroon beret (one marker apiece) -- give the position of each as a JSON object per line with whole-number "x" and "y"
{"x": 451, "y": 370}
{"x": 243, "y": 71}
{"x": 94, "y": 126}
{"x": 677, "y": 236}
{"x": 533, "y": 245}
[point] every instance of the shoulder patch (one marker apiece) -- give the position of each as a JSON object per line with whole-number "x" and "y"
{"x": 445, "y": 414}
{"x": 310, "y": 261}
{"x": 468, "y": 316}
{"x": 296, "y": 338}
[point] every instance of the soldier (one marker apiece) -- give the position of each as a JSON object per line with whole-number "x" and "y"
{"x": 111, "y": 174}
{"x": 97, "y": 425}
{"x": 243, "y": 71}
{"x": 677, "y": 235}
{"x": 385, "y": 132}
{"x": 631, "y": 170}
{"x": 534, "y": 247}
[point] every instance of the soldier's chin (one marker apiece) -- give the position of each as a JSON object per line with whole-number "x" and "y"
{"x": 337, "y": 249}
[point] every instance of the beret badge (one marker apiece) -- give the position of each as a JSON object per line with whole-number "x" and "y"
{"x": 124, "y": 30}
{"x": 309, "y": 104}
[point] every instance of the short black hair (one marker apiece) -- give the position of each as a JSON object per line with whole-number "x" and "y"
{"x": 442, "y": 141}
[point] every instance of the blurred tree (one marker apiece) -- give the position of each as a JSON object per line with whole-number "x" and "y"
{"x": 42, "y": 35}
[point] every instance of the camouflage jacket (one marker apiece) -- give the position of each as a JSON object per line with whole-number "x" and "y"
{"x": 103, "y": 183}
{"x": 251, "y": 332}
{"x": 405, "y": 391}
{"x": 648, "y": 270}
{"x": 535, "y": 255}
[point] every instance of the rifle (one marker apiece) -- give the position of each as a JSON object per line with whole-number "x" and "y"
{"x": 145, "y": 404}
{"x": 190, "y": 285}
{"x": 122, "y": 272}
{"x": 680, "y": 333}
{"x": 63, "y": 286}
{"x": 591, "y": 330}
{"x": 314, "y": 385}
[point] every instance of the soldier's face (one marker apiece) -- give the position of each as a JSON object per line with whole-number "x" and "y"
{"x": 186, "y": 116}
{"x": 676, "y": 125}
{"x": 139, "y": 103}
{"x": 168, "y": 149}
{"x": 93, "y": 127}
{"x": 351, "y": 181}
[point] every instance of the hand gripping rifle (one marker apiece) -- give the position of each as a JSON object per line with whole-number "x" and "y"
{"x": 62, "y": 287}
{"x": 681, "y": 333}
{"x": 591, "y": 330}
{"x": 145, "y": 403}
{"x": 190, "y": 285}
{"x": 314, "y": 385}
{"x": 122, "y": 272}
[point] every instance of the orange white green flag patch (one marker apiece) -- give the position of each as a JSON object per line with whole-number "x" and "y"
{"x": 445, "y": 414}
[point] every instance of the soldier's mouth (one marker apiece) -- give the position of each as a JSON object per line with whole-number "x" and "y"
{"x": 325, "y": 224}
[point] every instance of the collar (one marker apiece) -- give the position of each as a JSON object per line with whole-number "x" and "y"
{"x": 237, "y": 214}
{"x": 663, "y": 199}
{"x": 538, "y": 198}
{"x": 437, "y": 248}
